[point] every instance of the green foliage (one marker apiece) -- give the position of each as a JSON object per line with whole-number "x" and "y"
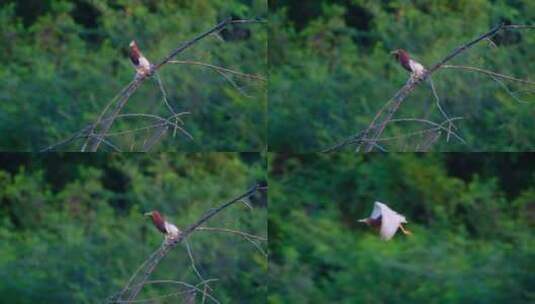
{"x": 472, "y": 238}
{"x": 64, "y": 62}
{"x": 78, "y": 237}
{"x": 331, "y": 72}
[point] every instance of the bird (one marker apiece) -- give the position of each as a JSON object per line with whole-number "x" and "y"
{"x": 386, "y": 220}
{"x": 414, "y": 67}
{"x": 170, "y": 230}
{"x": 141, "y": 63}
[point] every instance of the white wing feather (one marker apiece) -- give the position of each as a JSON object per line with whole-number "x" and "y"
{"x": 172, "y": 230}
{"x": 144, "y": 63}
{"x": 390, "y": 221}
{"x": 376, "y": 212}
{"x": 416, "y": 67}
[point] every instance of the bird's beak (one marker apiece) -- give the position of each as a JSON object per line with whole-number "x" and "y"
{"x": 362, "y": 221}
{"x": 147, "y": 214}
{"x": 393, "y": 53}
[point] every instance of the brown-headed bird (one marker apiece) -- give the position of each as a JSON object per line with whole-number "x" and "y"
{"x": 414, "y": 67}
{"x": 141, "y": 63}
{"x": 386, "y": 221}
{"x": 171, "y": 231}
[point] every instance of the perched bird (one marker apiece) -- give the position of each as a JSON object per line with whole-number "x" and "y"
{"x": 171, "y": 231}
{"x": 386, "y": 220}
{"x": 141, "y": 63}
{"x": 414, "y": 67}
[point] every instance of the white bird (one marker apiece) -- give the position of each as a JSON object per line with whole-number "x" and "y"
{"x": 386, "y": 220}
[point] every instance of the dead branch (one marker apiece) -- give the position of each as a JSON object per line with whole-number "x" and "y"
{"x": 103, "y": 125}
{"x": 358, "y": 138}
{"x": 141, "y": 275}
{"x": 367, "y": 139}
{"x": 488, "y": 72}
{"x": 219, "y": 68}
{"x": 376, "y": 128}
{"x": 86, "y": 131}
{"x": 189, "y": 289}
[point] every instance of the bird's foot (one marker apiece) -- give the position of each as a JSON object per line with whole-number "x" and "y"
{"x": 405, "y": 231}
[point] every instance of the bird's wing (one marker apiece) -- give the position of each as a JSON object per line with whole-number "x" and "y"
{"x": 144, "y": 63}
{"x": 376, "y": 212}
{"x": 171, "y": 229}
{"x": 390, "y": 222}
{"x": 416, "y": 67}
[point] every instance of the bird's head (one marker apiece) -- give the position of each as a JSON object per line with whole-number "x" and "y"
{"x": 157, "y": 220}
{"x": 399, "y": 53}
{"x": 153, "y": 214}
{"x": 365, "y": 221}
{"x": 134, "y": 48}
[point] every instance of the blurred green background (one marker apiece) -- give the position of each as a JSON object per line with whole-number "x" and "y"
{"x": 331, "y": 71}
{"x": 472, "y": 218}
{"x": 72, "y": 228}
{"x": 63, "y": 61}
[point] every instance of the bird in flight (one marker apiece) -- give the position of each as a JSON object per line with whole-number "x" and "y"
{"x": 141, "y": 63}
{"x": 386, "y": 220}
{"x": 414, "y": 67}
{"x": 170, "y": 230}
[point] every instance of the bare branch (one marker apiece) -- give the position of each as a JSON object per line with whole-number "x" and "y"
{"x": 378, "y": 128}
{"x": 93, "y": 143}
{"x": 187, "y": 285}
{"x": 197, "y": 272}
{"x": 85, "y": 132}
{"x": 218, "y": 68}
{"x": 136, "y": 282}
{"x": 488, "y": 72}
{"x": 367, "y": 139}
{"x": 357, "y": 139}
{"x": 241, "y": 233}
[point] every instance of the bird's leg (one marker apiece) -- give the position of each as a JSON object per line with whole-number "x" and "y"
{"x": 405, "y": 231}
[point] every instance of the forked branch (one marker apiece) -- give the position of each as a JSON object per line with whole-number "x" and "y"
{"x": 141, "y": 275}
{"x": 367, "y": 139}
{"x": 93, "y": 143}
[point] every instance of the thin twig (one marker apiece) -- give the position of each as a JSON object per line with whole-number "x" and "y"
{"x": 164, "y": 95}
{"x": 488, "y": 72}
{"x": 189, "y": 286}
{"x": 357, "y": 139}
{"x": 437, "y": 102}
{"x": 85, "y": 132}
{"x": 219, "y": 68}
{"x": 197, "y": 272}
{"x": 241, "y": 233}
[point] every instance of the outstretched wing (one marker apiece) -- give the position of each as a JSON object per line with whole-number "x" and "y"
{"x": 376, "y": 212}
{"x": 390, "y": 221}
